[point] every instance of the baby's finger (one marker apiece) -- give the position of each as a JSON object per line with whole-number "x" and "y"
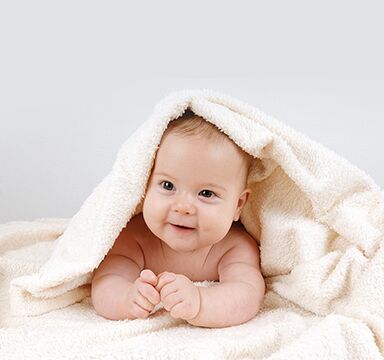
{"x": 164, "y": 279}
{"x": 143, "y": 302}
{"x": 167, "y": 290}
{"x": 148, "y": 276}
{"x": 138, "y": 312}
{"x": 149, "y": 292}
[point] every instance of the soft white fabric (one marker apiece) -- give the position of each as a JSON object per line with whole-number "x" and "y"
{"x": 318, "y": 219}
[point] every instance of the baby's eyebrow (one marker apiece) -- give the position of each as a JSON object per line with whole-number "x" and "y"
{"x": 162, "y": 174}
{"x": 203, "y": 183}
{"x": 215, "y": 185}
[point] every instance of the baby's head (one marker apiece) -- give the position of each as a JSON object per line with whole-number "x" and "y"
{"x": 199, "y": 181}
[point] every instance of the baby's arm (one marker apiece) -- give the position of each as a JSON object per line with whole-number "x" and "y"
{"x": 239, "y": 295}
{"x": 120, "y": 289}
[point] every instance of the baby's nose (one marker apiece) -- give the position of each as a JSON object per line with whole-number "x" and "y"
{"x": 183, "y": 207}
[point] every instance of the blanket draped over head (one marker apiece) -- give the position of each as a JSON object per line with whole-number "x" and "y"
{"x": 318, "y": 219}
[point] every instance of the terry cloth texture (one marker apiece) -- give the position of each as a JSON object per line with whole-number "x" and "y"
{"x": 318, "y": 219}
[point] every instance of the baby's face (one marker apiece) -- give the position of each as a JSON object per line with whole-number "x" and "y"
{"x": 196, "y": 184}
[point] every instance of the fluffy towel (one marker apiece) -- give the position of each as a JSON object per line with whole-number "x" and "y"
{"x": 318, "y": 219}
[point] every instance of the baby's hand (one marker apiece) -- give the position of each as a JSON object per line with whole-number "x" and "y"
{"x": 143, "y": 296}
{"x": 179, "y": 295}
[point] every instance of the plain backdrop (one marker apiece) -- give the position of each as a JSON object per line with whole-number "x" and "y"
{"x": 78, "y": 77}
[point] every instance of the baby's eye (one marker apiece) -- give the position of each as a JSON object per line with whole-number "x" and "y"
{"x": 167, "y": 185}
{"x": 207, "y": 193}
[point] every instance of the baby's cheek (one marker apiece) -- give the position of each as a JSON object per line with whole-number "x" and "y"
{"x": 223, "y": 225}
{"x": 148, "y": 210}
{"x": 149, "y": 203}
{"x": 153, "y": 212}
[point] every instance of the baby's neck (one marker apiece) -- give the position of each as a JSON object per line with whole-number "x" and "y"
{"x": 169, "y": 252}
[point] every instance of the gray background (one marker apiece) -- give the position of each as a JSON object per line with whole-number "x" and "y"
{"x": 77, "y": 77}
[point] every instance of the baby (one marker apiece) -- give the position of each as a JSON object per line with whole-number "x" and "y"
{"x": 187, "y": 231}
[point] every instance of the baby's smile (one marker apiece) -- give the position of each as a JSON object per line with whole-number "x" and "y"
{"x": 182, "y": 229}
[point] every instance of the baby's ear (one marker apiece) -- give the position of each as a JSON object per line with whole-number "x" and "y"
{"x": 243, "y": 198}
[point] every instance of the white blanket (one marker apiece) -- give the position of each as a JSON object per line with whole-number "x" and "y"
{"x": 318, "y": 219}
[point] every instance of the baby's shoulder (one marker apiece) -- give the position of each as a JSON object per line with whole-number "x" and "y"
{"x": 138, "y": 230}
{"x": 241, "y": 245}
{"x": 237, "y": 234}
{"x": 127, "y": 243}
{"x": 129, "y": 237}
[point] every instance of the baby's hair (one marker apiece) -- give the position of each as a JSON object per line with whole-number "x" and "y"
{"x": 196, "y": 125}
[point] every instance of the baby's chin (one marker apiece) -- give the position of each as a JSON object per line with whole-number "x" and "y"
{"x": 175, "y": 247}
{"x": 180, "y": 244}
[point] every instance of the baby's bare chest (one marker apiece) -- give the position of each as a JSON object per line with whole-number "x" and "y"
{"x": 199, "y": 267}
{"x": 196, "y": 268}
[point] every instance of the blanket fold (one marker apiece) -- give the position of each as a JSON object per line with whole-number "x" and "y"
{"x": 318, "y": 219}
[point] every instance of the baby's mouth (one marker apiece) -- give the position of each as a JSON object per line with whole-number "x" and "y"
{"x": 182, "y": 228}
